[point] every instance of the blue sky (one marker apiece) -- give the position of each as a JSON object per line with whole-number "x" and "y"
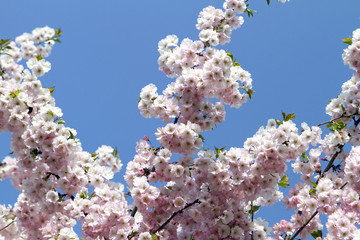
{"x": 109, "y": 52}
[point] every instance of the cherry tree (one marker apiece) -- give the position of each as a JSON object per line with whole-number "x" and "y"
{"x": 179, "y": 189}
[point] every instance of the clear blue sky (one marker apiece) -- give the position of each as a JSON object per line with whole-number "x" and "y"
{"x": 109, "y": 52}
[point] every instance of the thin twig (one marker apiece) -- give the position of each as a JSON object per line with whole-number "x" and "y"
{"x": 356, "y": 123}
{"x": 133, "y": 212}
{"x": 303, "y": 226}
{"x": 174, "y": 214}
{"x": 338, "y": 118}
{"x": 7, "y": 225}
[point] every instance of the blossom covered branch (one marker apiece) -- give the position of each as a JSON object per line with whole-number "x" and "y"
{"x": 180, "y": 190}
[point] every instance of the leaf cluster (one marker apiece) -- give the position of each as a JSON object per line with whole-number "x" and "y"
{"x": 286, "y": 117}
{"x": 4, "y": 45}
{"x": 336, "y": 126}
{"x": 284, "y": 182}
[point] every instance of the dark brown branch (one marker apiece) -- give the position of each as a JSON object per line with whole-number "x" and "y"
{"x": 330, "y": 164}
{"x": 338, "y": 118}
{"x": 332, "y": 160}
{"x": 174, "y": 214}
{"x": 133, "y": 212}
{"x": 7, "y": 225}
{"x": 304, "y": 225}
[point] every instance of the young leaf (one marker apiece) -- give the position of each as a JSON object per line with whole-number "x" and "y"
{"x": 71, "y": 135}
{"x": 83, "y": 195}
{"x": 230, "y": 55}
{"x": 316, "y": 234}
{"x": 278, "y": 122}
{"x": 303, "y": 156}
{"x": 289, "y": 117}
{"x": 14, "y": 94}
{"x": 342, "y": 107}
{"x": 250, "y": 93}
{"x": 202, "y": 138}
{"x": 254, "y": 209}
{"x": 284, "y": 181}
{"x": 268, "y": 2}
{"x": 347, "y": 41}
{"x": 115, "y": 152}
{"x": 312, "y": 191}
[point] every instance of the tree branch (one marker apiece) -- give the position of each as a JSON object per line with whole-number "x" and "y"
{"x": 304, "y": 225}
{"x": 356, "y": 123}
{"x": 174, "y": 214}
{"x": 7, "y": 225}
{"x": 133, "y": 212}
{"x": 338, "y": 118}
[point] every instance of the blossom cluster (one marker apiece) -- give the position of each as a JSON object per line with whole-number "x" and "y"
{"x": 48, "y": 166}
{"x": 351, "y": 55}
{"x": 202, "y": 72}
{"x": 179, "y": 189}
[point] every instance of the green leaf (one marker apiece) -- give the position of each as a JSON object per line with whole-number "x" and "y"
{"x": 71, "y": 135}
{"x": 83, "y": 195}
{"x": 236, "y": 64}
{"x": 230, "y": 55}
{"x": 278, "y": 122}
{"x": 312, "y": 191}
{"x": 249, "y": 12}
{"x": 316, "y": 234}
{"x": 202, "y": 138}
{"x": 284, "y": 181}
{"x": 50, "y": 113}
{"x": 218, "y": 151}
{"x": 250, "y": 93}
{"x": 115, "y": 152}
{"x": 14, "y": 94}
{"x": 58, "y": 32}
{"x": 92, "y": 194}
{"x": 347, "y": 41}
{"x": 4, "y": 41}
{"x": 329, "y": 125}
{"x": 289, "y": 117}
{"x": 169, "y": 187}
{"x": 313, "y": 184}
{"x": 61, "y": 122}
{"x": 56, "y": 40}
{"x": 254, "y": 209}
{"x": 10, "y": 216}
{"x": 39, "y": 57}
{"x": 51, "y": 89}
{"x": 154, "y": 236}
{"x": 339, "y": 125}
{"x": 303, "y": 156}
{"x": 268, "y": 2}
{"x": 342, "y": 107}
